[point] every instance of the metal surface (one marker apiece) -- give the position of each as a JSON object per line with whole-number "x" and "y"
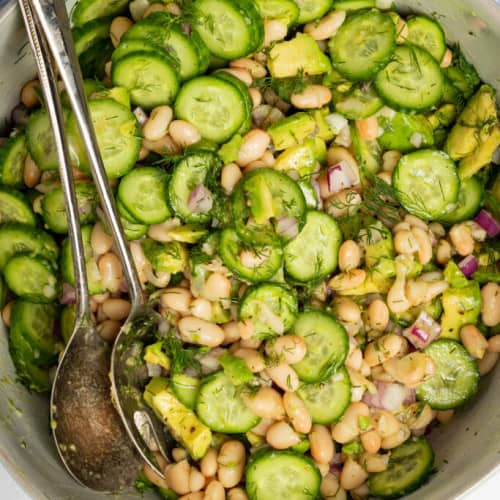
{"x": 467, "y": 450}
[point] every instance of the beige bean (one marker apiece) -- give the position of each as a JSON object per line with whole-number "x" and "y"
{"x": 117, "y": 309}
{"x": 378, "y": 315}
{"x": 488, "y": 362}
{"x": 157, "y": 125}
{"x": 329, "y": 485}
{"x": 405, "y": 242}
{"x": 474, "y": 341}
{"x": 345, "y": 202}
{"x": 230, "y": 176}
{"x": 242, "y": 74}
{"x": 196, "y": 480}
{"x": 237, "y": 494}
{"x": 424, "y": 244}
{"x": 256, "y": 96}
{"x": 390, "y": 160}
{"x": 349, "y": 255}
{"x": 327, "y": 26}
{"x": 231, "y": 332}
{"x": 197, "y": 495}
{"x": 383, "y": 349}
{"x": 164, "y": 146}
{"x": 447, "y": 59}
{"x": 231, "y": 462}
{"x": 6, "y": 312}
{"x": 415, "y": 221}
{"x": 29, "y": 94}
{"x": 281, "y": 436}
{"x": 177, "y": 476}
{"x": 246, "y": 329}
{"x": 352, "y": 475}
{"x": 344, "y": 282}
{"x": 155, "y": 478}
{"x": 217, "y": 287}
{"x": 371, "y": 441}
{"x": 201, "y": 308}
{"x": 100, "y": 241}
{"x": 198, "y": 331}
{"x": 108, "y": 329}
{"x": 347, "y": 310}
{"x": 490, "y": 304}
{"x": 322, "y": 448}
{"x": 176, "y": 298}
{"x": 297, "y": 413}
{"x": 274, "y": 31}
{"x": 111, "y": 272}
{"x": 173, "y": 8}
{"x": 444, "y": 416}
{"x": 262, "y": 427}
{"x": 284, "y": 376}
{"x": 214, "y": 491}
{"x": 437, "y": 229}
{"x": 290, "y": 348}
{"x": 368, "y": 128}
{"x": 179, "y": 454}
{"x": 312, "y": 97}
{"x": 348, "y": 428}
{"x": 423, "y": 417}
{"x": 267, "y": 403}
{"x": 443, "y": 252}
{"x": 255, "y": 68}
{"x": 183, "y": 133}
{"x": 385, "y": 423}
{"x": 253, "y": 359}
{"x": 462, "y": 240}
{"x": 401, "y": 226}
{"x": 119, "y": 26}
{"x": 208, "y": 464}
{"x": 354, "y": 360}
{"x": 399, "y": 437}
{"x": 494, "y": 343}
{"x": 386, "y": 177}
{"x": 410, "y": 370}
{"x": 253, "y": 147}
{"x": 31, "y": 172}
{"x": 374, "y": 462}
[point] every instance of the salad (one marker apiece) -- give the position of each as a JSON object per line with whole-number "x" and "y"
{"x": 312, "y": 205}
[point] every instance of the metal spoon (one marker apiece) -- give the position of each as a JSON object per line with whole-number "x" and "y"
{"x": 90, "y": 437}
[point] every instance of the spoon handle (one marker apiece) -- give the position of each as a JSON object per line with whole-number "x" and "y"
{"x": 48, "y": 82}
{"x": 54, "y": 23}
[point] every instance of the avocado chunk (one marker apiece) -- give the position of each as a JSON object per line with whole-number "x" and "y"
{"x": 299, "y": 54}
{"x": 171, "y": 257}
{"x": 261, "y": 200}
{"x": 292, "y": 130}
{"x": 181, "y": 421}
{"x": 300, "y": 159}
{"x": 461, "y": 306}
{"x": 154, "y": 355}
{"x": 403, "y": 131}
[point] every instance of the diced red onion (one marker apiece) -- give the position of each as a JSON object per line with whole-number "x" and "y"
{"x": 287, "y": 227}
{"x": 186, "y": 28}
{"x": 200, "y": 199}
{"x": 411, "y": 396}
{"x": 141, "y": 115}
{"x": 468, "y": 265}
{"x": 488, "y": 223}
{"x": 340, "y": 176}
{"x": 423, "y": 331}
{"x": 390, "y": 396}
{"x": 68, "y": 295}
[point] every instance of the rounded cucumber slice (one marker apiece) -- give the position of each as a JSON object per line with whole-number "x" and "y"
{"x": 150, "y": 78}
{"x": 327, "y": 345}
{"x": 214, "y": 106}
{"x": 273, "y": 475}
{"x": 362, "y": 102}
{"x": 143, "y": 193}
{"x": 285, "y": 11}
{"x": 410, "y": 464}
{"x": 455, "y": 379}
{"x": 272, "y": 308}
{"x": 427, "y": 34}
{"x": 32, "y": 278}
{"x": 186, "y": 389}
{"x": 363, "y": 45}
{"x": 87, "y": 10}
{"x": 14, "y": 207}
{"x": 470, "y": 197}
{"x": 412, "y": 81}
{"x": 313, "y": 254}
{"x": 310, "y": 10}
{"x": 220, "y": 406}
{"x": 90, "y": 33}
{"x": 127, "y": 46}
{"x": 327, "y": 401}
{"x": 263, "y": 261}
{"x": 13, "y": 154}
{"x": 118, "y": 137}
{"x": 426, "y": 183}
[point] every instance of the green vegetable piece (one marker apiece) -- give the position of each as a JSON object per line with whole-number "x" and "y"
{"x": 300, "y": 159}
{"x": 291, "y": 130}
{"x": 67, "y": 322}
{"x": 454, "y": 276}
{"x": 186, "y": 389}
{"x": 170, "y": 257}
{"x": 324, "y": 131}
{"x": 182, "y": 422}
{"x": 229, "y": 151}
{"x": 302, "y": 447}
{"x": 301, "y": 53}
{"x": 236, "y": 369}
{"x": 119, "y": 94}
{"x": 405, "y": 132}
{"x": 462, "y": 306}
{"x": 154, "y": 355}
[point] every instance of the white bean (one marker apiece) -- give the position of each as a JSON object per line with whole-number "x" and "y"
{"x": 177, "y": 299}
{"x": 253, "y": 147}
{"x": 183, "y": 133}
{"x": 368, "y": 128}
{"x": 281, "y": 436}
{"x": 383, "y": 349}
{"x": 117, "y": 309}
{"x": 352, "y": 475}
{"x": 31, "y": 172}
{"x": 474, "y": 341}
{"x": 111, "y": 272}
{"x": 6, "y": 312}
{"x": 378, "y": 315}
{"x": 208, "y": 463}
{"x": 490, "y": 308}
{"x": 494, "y": 343}
{"x": 237, "y": 494}
{"x": 297, "y": 413}
{"x": 117, "y": 29}
{"x": 424, "y": 244}
{"x": 241, "y": 74}
{"x": 214, "y": 491}
{"x": 327, "y": 26}
{"x": 349, "y": 255}
{"x": 274, "y": 31}
{"x": 196, "y": 480}
{"x": 108, "y": 329}
{"x": 29, "y": 94}
{"x": 100, "y": 241}
{"x": 152, "y": 476}
{"x": 284, "y": 376}
{"x": 344, "y": 282}
{"x": 313, "y": 96}
{"x": 256, "y": 69}
{"x": 488, "y": 362}
{"x": 231, "y": 462}
{"x": 447, "y": 59}
{"x": 347, "y": 310}
{"x": 253, "y": 359}
{"x": 290, "y": 348}
{"x": 462, "y": 240}
{"x": 217, "y": 287}
{"x": 179, "y": 454}
{"x": 197, "y": 331}
{"x": 157, "y": 124}
{"x": 267, "y": 403}
{"x": 230, "y": 176}
{"x": 322, "y": 449}
{"x": 256, "y": 96}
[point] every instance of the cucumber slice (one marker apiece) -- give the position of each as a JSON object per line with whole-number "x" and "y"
{"x": 328, "y": 400}
{"x": 143, "y": 193}
{"x": 363, "y": 45}
{"x": 368, "y": 153}
{"x": 470, "y": 198}
{"x": 19, "y": 238}
{"x": 272, "y": 308}
{"x": 455, "y": 379}
{"x": 132, "y": 230}
{"x": 412, "y": 81}
{"x": 327, "y": 345}
{"x": 195, "y": 171}
{"x": 427, "y": 34}
{"x": 264, "y": 204}
{"x": 426, "y": 183}
{"x": 229, "y": 28}
{"x": 118, "y": 137}
{"x": 310, "y": 10}
{"x": 32, "y": 278}
{"x": 285, "y": 11}
{"x": 264, "y": 261}
{"x": 14, "y": 207}
{"x": 93, "y": 60}
{"x": 150, "y": 78}
{"x": 313, "y": 254}
{"x": 67, "y": 322}
{"x": 90, "y": 33}
{"x": 273, "y": 475}
{"x": 54, "y": 210}
{"x": 87, "y": 10}
{"x": 360, "y": 103}
{"x": 127, "y": 46}
{"x": 186, "y": 389}
{"x": 220, "y": 406}
{"x": 410, "y": 464}
{"x": 13, "y": 154}
{"x": 354, "y": 4}
{"x": 214, "y": 106}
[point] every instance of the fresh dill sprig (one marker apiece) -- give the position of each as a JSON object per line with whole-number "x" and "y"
{"x": 284, "y": 87}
